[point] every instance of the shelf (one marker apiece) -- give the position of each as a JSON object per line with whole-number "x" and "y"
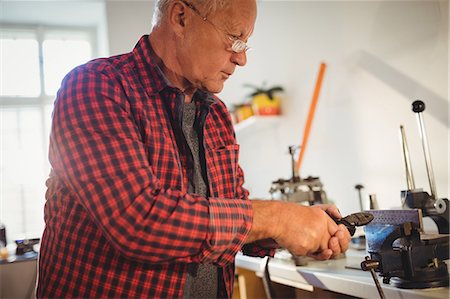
{"x": 257, "y": 123}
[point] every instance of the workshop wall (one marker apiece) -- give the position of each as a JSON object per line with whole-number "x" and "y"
{"x": 127, "y": 22}
{"x": 381, "y": 55}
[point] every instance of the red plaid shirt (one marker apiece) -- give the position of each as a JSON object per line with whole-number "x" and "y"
{"x": 119, "y": 221}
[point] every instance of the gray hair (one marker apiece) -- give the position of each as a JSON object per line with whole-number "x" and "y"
{"x": 205, "y": 6}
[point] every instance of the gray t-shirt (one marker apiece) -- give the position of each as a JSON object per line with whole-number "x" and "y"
{"x": 202, "y": 279}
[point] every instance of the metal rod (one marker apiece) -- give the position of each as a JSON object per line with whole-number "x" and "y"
{"x": 359, "y": 187}
{"x": 407, "y": 160}
{"x": 371, "y": 265}
{"x": 377, "y": 284}
{"x": 292, "y": 150}
{"x": 373, "y": 202}
{"x": 418, "y": 108}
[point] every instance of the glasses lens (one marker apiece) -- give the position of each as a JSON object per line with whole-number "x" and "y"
{"x": 239, "y": 46}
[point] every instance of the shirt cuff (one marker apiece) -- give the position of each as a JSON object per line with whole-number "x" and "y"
{"x": 230, "y": 223}
{"x": 261, "y": 248}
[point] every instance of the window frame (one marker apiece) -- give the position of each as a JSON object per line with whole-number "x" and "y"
{"x": 40, "y": 31}
{"x": 41, "y": 102}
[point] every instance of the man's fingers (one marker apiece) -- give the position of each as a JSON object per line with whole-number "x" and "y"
{"x": 334, "y": 212}
{"x": 334, "y": 246}
{"x": 322, "y": 255}
{"x": 332, "y": 226}
{"x": 343, "y": 236}
{"x": 331, "y": 210}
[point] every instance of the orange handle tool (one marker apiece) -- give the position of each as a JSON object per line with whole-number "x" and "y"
{"x": 309, "y": 120}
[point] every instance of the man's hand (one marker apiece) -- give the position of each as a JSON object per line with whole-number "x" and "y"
{"x": 303, "y": 230}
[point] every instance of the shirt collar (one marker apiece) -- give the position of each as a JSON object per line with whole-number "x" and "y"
{"x": 151, "y": 75}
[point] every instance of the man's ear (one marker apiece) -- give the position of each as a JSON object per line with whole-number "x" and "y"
{"x": 177, "y": 17}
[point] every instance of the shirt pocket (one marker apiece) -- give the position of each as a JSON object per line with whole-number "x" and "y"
{"x": 222, "y": 165}
{"x": 164, "y": 159}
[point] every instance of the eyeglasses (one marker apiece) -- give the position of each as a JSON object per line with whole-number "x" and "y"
{"x": 237, "y": 46}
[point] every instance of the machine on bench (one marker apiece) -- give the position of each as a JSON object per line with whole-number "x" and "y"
{"x": 403, "y": 254}
{"x": 308, "y": 190}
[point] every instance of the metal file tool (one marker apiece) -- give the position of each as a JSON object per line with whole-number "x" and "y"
{"x": 353, "y": 220}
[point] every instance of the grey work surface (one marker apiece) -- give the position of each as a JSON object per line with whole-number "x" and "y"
{"x": 333, "y": 275}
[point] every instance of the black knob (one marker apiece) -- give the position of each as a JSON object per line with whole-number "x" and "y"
{"x": 359, "y": 187}
{"x": 418, "y": 106}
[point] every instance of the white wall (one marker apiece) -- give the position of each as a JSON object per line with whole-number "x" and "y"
{"x": 381, "y": 55}
{"x": 127, "y": 22}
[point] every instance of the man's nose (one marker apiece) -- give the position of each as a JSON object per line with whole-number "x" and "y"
{"x": 239, "y": 58}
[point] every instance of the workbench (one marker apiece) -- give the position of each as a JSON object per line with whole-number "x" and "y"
{"x": 338, "y": 275}
{"x": 18, "y": 276}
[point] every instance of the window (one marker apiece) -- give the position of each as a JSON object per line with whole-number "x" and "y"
{"x": 33, "y": 62}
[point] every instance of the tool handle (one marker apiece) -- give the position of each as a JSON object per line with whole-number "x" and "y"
{"x": 353, "y": 220}
{"x": 371, "y": 265}
{"x": 418, "y": 106}
{"x": 312, "y": 109}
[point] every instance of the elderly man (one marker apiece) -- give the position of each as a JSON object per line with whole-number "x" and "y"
{"x": 145, "y": 197}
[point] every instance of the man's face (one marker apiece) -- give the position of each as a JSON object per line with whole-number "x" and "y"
{"x": 206, "y": 57}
